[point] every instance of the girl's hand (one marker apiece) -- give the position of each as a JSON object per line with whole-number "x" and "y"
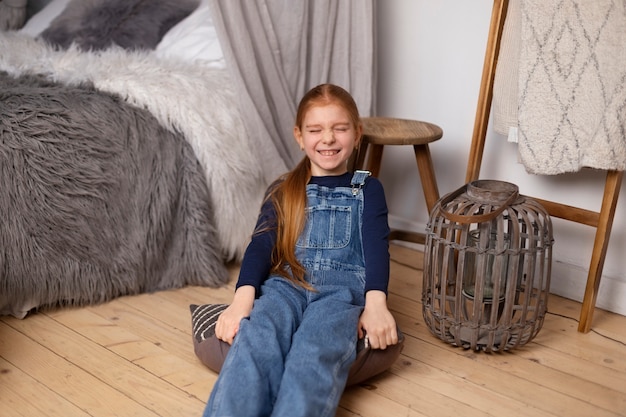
{"x": 377, "y": 321}
{"x": 227, "y": 324}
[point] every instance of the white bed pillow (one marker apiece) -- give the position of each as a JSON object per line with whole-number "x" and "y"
{"x": 194, "y": 39}
{"x": 41, "y": 20}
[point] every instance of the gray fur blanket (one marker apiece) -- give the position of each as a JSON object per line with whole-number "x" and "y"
{"x": 197, "y": 101}
{"x": 91, "y": 209}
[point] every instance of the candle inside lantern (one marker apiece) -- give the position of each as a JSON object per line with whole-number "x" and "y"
{"x": 486, "y": 260}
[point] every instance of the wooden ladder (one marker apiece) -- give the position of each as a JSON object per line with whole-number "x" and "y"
{"x": 602, "y": 220}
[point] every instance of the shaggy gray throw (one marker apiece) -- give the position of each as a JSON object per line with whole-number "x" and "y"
{"x": 98, "y": 200}
{"x": 131, "y": 24}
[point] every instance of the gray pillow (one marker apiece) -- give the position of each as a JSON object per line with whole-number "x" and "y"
{"x": 131, "y": 24}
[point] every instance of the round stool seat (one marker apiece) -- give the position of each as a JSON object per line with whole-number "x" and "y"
{"x": 379, "y": 132}
{"x": 393, "y": 131}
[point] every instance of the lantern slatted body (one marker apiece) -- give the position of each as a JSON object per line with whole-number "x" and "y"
{"x": 487, "y": 267}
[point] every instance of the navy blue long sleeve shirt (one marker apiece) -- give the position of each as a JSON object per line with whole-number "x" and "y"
{"x": 257, "y": 261}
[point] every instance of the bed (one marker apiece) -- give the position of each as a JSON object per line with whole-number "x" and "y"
{"x": 137, "y": 137}
{"x": 124, "y": 164}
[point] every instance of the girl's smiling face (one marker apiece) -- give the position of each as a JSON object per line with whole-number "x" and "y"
{"x": 328, "y": 137}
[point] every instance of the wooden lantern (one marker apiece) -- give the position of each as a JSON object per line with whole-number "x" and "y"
{"x": 487, "y": 267}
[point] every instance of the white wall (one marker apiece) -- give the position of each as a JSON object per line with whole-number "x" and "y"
{"x": 430, "y": 61}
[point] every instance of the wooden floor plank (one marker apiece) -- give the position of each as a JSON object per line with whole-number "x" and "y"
{"x": 145, "y": 388}
{"x": 367, "y": 403}
{"x": 605, "y": 323}
{"x": 154, "y": 305}
{"x": 191, "y": 376}
{"x": 135, "y": 355}
{"x": 600, "y": 377}
{"x": 172, "y": 339}
{"x": 409, "y": 384}
{"x": 457, "y": 379}
{"x": 71, "y": 382}
{"x": 22, "y": 395}
{"x": 557, "y": 333}
{"x": 513, "y": 375}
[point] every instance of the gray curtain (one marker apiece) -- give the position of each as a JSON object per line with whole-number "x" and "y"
{"x": 278, "y": 49}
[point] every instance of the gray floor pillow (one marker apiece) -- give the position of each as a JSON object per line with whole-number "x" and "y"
{"x": 211, "y": 351}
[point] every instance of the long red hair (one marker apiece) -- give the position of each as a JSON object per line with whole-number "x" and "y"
{"x": 289, "y": 196}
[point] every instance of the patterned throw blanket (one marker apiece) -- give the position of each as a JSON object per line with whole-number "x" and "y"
{"x": 568, "y": 89}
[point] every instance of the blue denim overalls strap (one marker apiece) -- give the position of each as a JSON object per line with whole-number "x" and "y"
{"x": 358, "y": 180}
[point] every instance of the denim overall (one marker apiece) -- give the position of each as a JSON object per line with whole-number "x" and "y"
{"x": 292, "y": 356}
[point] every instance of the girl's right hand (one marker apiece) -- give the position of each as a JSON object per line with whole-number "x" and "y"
{"x": 227, "y": 324}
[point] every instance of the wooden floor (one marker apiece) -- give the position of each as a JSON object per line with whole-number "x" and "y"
{"x": 134, "y": 357}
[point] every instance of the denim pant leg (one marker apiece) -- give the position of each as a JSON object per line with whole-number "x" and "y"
{"x": 252, "y": 372}
{"x": 323, "y": 349}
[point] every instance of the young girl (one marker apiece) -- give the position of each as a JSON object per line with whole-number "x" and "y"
{"x": 313, "y": 278}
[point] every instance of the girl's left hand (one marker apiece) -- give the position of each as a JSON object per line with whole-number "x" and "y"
{"x": 377, "y": 321}
{"x": 227, "y": 324}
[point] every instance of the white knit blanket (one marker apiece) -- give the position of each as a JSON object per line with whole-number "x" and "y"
{"x": 570, "y": 89}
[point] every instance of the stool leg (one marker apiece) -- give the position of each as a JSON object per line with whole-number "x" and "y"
{"x": 374, "y": 159}
{"x": 427, "y": 175}
{"x": 358, "y": 158}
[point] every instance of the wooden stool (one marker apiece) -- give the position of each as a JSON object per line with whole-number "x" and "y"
{"x": 381, "y": 131}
